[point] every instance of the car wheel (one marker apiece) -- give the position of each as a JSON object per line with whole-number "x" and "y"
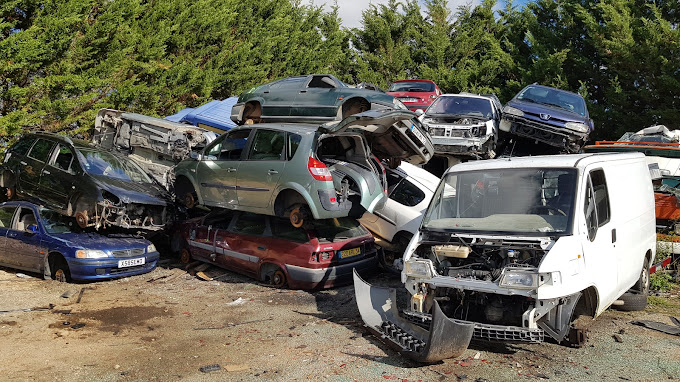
{"x": 354, "y": 107}
{"x": 82, "y": 219}
{"x": 635, "y": 300}
{"x": 185, "y": 256}
{"x": 59, "y": 270}
{"x": 186, "y": 195}
{"x": 278, "y": 278}
{"x": 297, "y": 216}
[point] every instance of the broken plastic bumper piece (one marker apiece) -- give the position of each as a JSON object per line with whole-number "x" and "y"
{"x": 446, "y": 338}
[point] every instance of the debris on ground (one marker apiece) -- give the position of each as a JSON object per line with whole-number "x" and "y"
{"x": 660, "y": 326}
{"x": 209, "y": 368}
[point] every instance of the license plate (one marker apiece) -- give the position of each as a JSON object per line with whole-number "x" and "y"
{"x": 350, "y": 252}
{"x": 408, "y": 99}
{"x": 417, "y": 133}
{"x": 130, "y": 262}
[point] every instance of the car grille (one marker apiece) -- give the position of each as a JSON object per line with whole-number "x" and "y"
{"x": 453, "y": 133}
{"x": 128, "y": 252}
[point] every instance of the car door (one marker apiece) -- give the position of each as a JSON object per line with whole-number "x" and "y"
{"x": 32, "y": 166}
{"x": 279, "y": 97}
{"x": 318, "y": 98}
{"x": 248, "y": 242}
{"x": 26, "y": 245}
{"x": 7, "y": 257}
{"x": 59, "y": 177}
{"x": 260, "y": 172}
{"x": 216, "y": 172}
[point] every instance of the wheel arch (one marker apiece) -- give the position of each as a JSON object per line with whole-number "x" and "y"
{"x": 353, "y": 99}
{"x": 298, "y": 193}
{"x": 182, "y": 177}
{"x": 270, "y": 265}
{"x": 48, "y": 260}
{"x": 7, "y": 178}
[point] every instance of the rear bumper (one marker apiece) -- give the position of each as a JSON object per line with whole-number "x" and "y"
{"x": 101, "y": 269}
{"x": 236, "y": 112}
{"x": 307, "y": 278}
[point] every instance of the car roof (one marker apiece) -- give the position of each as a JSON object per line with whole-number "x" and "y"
{"x": 299, "y": 128}
{"x": 18, "y": 203}
{"x": 414, "y": 80}
{"x": 543, "y": 161}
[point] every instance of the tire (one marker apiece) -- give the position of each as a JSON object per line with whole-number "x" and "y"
{"x": 354, "y": 107}
{"x": 59, "y": 270}
{"x": 185, "y": 256}
{"x": 278, "y": 279}
{"x": 635, "y": 300}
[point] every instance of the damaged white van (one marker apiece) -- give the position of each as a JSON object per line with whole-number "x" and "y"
{"x": 521, "y": 250}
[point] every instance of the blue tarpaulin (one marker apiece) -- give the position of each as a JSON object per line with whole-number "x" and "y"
{"x": 214, "y": 115}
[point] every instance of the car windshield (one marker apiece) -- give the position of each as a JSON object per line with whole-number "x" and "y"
{"x": 412, "y": 86}
{"x": 54, "y": 222}
{"x": 532, "y": 201}
{"x": 464, "y": 106}
{"x": 106, "y": 164}
{"x": 337, "y": 229}
{"x": 553, "y": 97}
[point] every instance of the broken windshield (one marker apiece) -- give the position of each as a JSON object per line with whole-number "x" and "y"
{"x": 530, "y": 201}
{"x": 106, "y": 164}
{"x": 463, "y": 106}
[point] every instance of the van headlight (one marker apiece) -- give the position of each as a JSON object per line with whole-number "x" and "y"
{"x": 418, "y": 268}
{"x": 91, "y": 254}
{"x": 522, "y": 279}
{"x": 513, "y": 111}
{"x": 580, "y": 127}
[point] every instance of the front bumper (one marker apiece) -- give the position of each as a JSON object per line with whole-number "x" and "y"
{"x": 463, "y": 146}
{"x": 101, "y": 269}
{"x": 545, "y": 133}
{"x": 308, "y": 278}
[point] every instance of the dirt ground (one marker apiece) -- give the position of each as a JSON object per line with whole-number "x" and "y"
{"x": 167, "y": 325}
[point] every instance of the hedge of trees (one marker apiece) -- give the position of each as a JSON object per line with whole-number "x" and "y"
{"x": 62, "y": 60}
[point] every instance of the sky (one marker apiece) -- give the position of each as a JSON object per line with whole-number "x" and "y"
{"x": 350, "y": 10}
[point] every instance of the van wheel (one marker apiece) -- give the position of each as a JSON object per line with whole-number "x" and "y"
{"x": 60, "y": 271}
{"x": 635, "y": 300}
{"x": 298, "y": 215}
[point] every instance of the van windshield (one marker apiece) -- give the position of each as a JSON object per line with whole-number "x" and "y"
{"x": 531, "y": 201}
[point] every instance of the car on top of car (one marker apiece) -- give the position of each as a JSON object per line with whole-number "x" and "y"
{"x": 415, "y": 94}
{"x": 41, "y": 240}
{"x": 301, "y": 170}
{"x": 310, "y": 98}
{"x": 320, "y": 254}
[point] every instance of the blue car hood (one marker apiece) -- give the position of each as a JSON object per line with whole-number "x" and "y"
{"x": 96, "y": 241}
{"x": 131, "y": 192}
{"x": 555, "y": 113}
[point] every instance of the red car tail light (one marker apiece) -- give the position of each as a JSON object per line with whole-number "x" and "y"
{"x": 325, "y": 256}
{"x": 318, "y": 170}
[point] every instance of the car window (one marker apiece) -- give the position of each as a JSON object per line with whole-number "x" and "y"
{"x": 267, "y": 145}
{"x": 22, "y": 146}
{"x": 596, "y": 207}
{"x": 6, "y": 214}
{"x": 250, "y": 224}
{"x": 219, "y": 219}
{"x": 64, "y": 158}
{"x": 25, "y": 219}
{"x": 289, "y": 83}
{"x": 41, "y": 150}
{"x": 282, "y": 229}
{"x": 411, "y": 86}
{"x": 324, "y": 82}
{"x": 233, "y": 145}
{"x": 293, "y": 144}
{"x": 54, "y": 222}
{"x": 213, "y": 151}
{"x": 329, "y": 230}
{"x": 407, "y": 193}
{"x": 393, "y": 179}
{"x": 107, "y": 164}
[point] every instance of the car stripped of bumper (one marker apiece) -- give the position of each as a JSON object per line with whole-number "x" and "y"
{"x": 124, "y": 215}
{"x": 568, "y": 140}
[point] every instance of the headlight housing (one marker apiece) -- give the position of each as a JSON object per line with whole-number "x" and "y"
{"x": 576, "y": 126}
{"x": 513, "y": 111}
{"x": 522, "y": 278}
{"x": 418, "y": 268}
{"x": 90, "y": 254}
{"x": 150, "y": 248}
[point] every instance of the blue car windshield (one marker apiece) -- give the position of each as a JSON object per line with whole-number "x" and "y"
{"x": 53, "y": 222}
{"x": 553, "y": 97}
{"x": 103, "y": 163}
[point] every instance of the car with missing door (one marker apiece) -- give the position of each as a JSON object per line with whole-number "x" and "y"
{"x": 302, "y": 170}
{"x": 312, "y": 98}
{"x": 320, "y": 254}
{"x": 38, "y": 239}
{"x": 99, "y": 188}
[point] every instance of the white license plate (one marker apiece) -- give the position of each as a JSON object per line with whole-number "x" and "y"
{"x": 417, "y": 133}
{"x": 130, "y": 262}
{"x": 408, "y": 99}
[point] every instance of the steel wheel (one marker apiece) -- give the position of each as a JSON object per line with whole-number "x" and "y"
{"x": 60, "y": 275}
{"x": 189, "y": 200}
{"x": 82, "y": 219}
{"x": 278, "y": 279}
{"x": 297, "y": 217}
{"x": 185, "y": 256}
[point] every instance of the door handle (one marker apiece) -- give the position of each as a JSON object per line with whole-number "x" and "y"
{"x": 266, "y": 92}
{"x": 614, "y": 235}
{"x": 303, "y": 91}
{"x": 46, "y": 172}
{"x": 231, "y": 169}
{"x": 23, "y": 163}
{"x": 272, "y": 172}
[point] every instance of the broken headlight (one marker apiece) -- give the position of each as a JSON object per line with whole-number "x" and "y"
{"x": 521, "y": 278}
{"x": 580, "y": 127}
{"x": 419, "y": 268}
{"x": 513, "y": 111}
{"x": 91, "y": 254}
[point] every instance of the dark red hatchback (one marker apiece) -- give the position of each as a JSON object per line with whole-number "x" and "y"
{"x": 321, "y": 254}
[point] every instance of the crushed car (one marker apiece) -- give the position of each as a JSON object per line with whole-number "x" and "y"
{"x": 464, "y": 125}
{"x": 320, "y": 254}
{"x": 314, "y": 98}
{"x": 521, "y": 250}
{"x": 415, "y": 94}
{"x": 300, "y": 171}
{"x": 38, "y": 239}
{"x": 101, "y": 189}
{"x": 155, "y": 144}
{"x": 554, "y": 117}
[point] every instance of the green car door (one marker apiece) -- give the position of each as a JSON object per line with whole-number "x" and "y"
{"x": 318, "y": 98}
{"x": 216, "y": 172}
{"x": 259, "y": 173}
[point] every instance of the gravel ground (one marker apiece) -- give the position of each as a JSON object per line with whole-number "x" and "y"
{"x": 166, "y": 325}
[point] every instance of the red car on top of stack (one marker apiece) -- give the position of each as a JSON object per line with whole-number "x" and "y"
{"x": 415, "y": 94}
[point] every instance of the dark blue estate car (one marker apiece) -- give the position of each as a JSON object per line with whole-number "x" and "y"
{"x": 38, "y": 239}
{"x": 552, "y": 116}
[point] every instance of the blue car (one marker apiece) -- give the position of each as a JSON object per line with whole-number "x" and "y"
{"x": 38, "y": 239}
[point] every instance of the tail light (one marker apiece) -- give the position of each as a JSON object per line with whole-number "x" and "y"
{"x": 318, "y": 170}
{"x": 323, "y": 256}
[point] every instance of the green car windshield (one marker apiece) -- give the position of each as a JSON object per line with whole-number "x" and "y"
{"x": 532, "y": 201}
{"x": 103, "y": 163}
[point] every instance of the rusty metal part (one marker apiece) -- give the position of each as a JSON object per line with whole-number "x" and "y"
{"x": 185, "y": 256}
{"x": 297, "y": 218}
{"x": 82, "y": 219}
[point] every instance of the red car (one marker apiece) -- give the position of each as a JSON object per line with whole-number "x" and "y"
{"x": 321, "y": 254}
{"x": 415, "y": 94}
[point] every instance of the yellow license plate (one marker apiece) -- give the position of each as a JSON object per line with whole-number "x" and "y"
{"x": 350, "y": 252}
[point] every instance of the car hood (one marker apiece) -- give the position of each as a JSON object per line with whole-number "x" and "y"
{"x": 132, "y": 192}
{"x": 96, "y": 241}
{"x": 376, "y": 125}
{"x": 556, "y": 113}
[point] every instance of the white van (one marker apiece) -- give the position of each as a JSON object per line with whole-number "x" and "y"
{"x": 518, "y": 249}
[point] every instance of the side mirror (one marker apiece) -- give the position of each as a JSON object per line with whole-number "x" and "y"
{"x": 419, "y": 112}
{"x": 32, "y": 229}
{"x": 194, "y": 155}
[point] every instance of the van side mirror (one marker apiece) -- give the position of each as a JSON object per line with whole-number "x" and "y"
{"x": 32, "y": 229}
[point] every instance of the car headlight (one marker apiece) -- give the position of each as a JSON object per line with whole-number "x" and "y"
{"x": 513, "y": 111}
{"x": 418, "y": 268}
{"x": 398, "y": 104}
{"x": 576, "y": 126}
{"x": 91, "y": 254}
{"x": 522, "y": 279}
{"x": 150, "y": 248}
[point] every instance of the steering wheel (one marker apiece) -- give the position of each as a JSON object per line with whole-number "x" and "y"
{"x": 549, "y": 208}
